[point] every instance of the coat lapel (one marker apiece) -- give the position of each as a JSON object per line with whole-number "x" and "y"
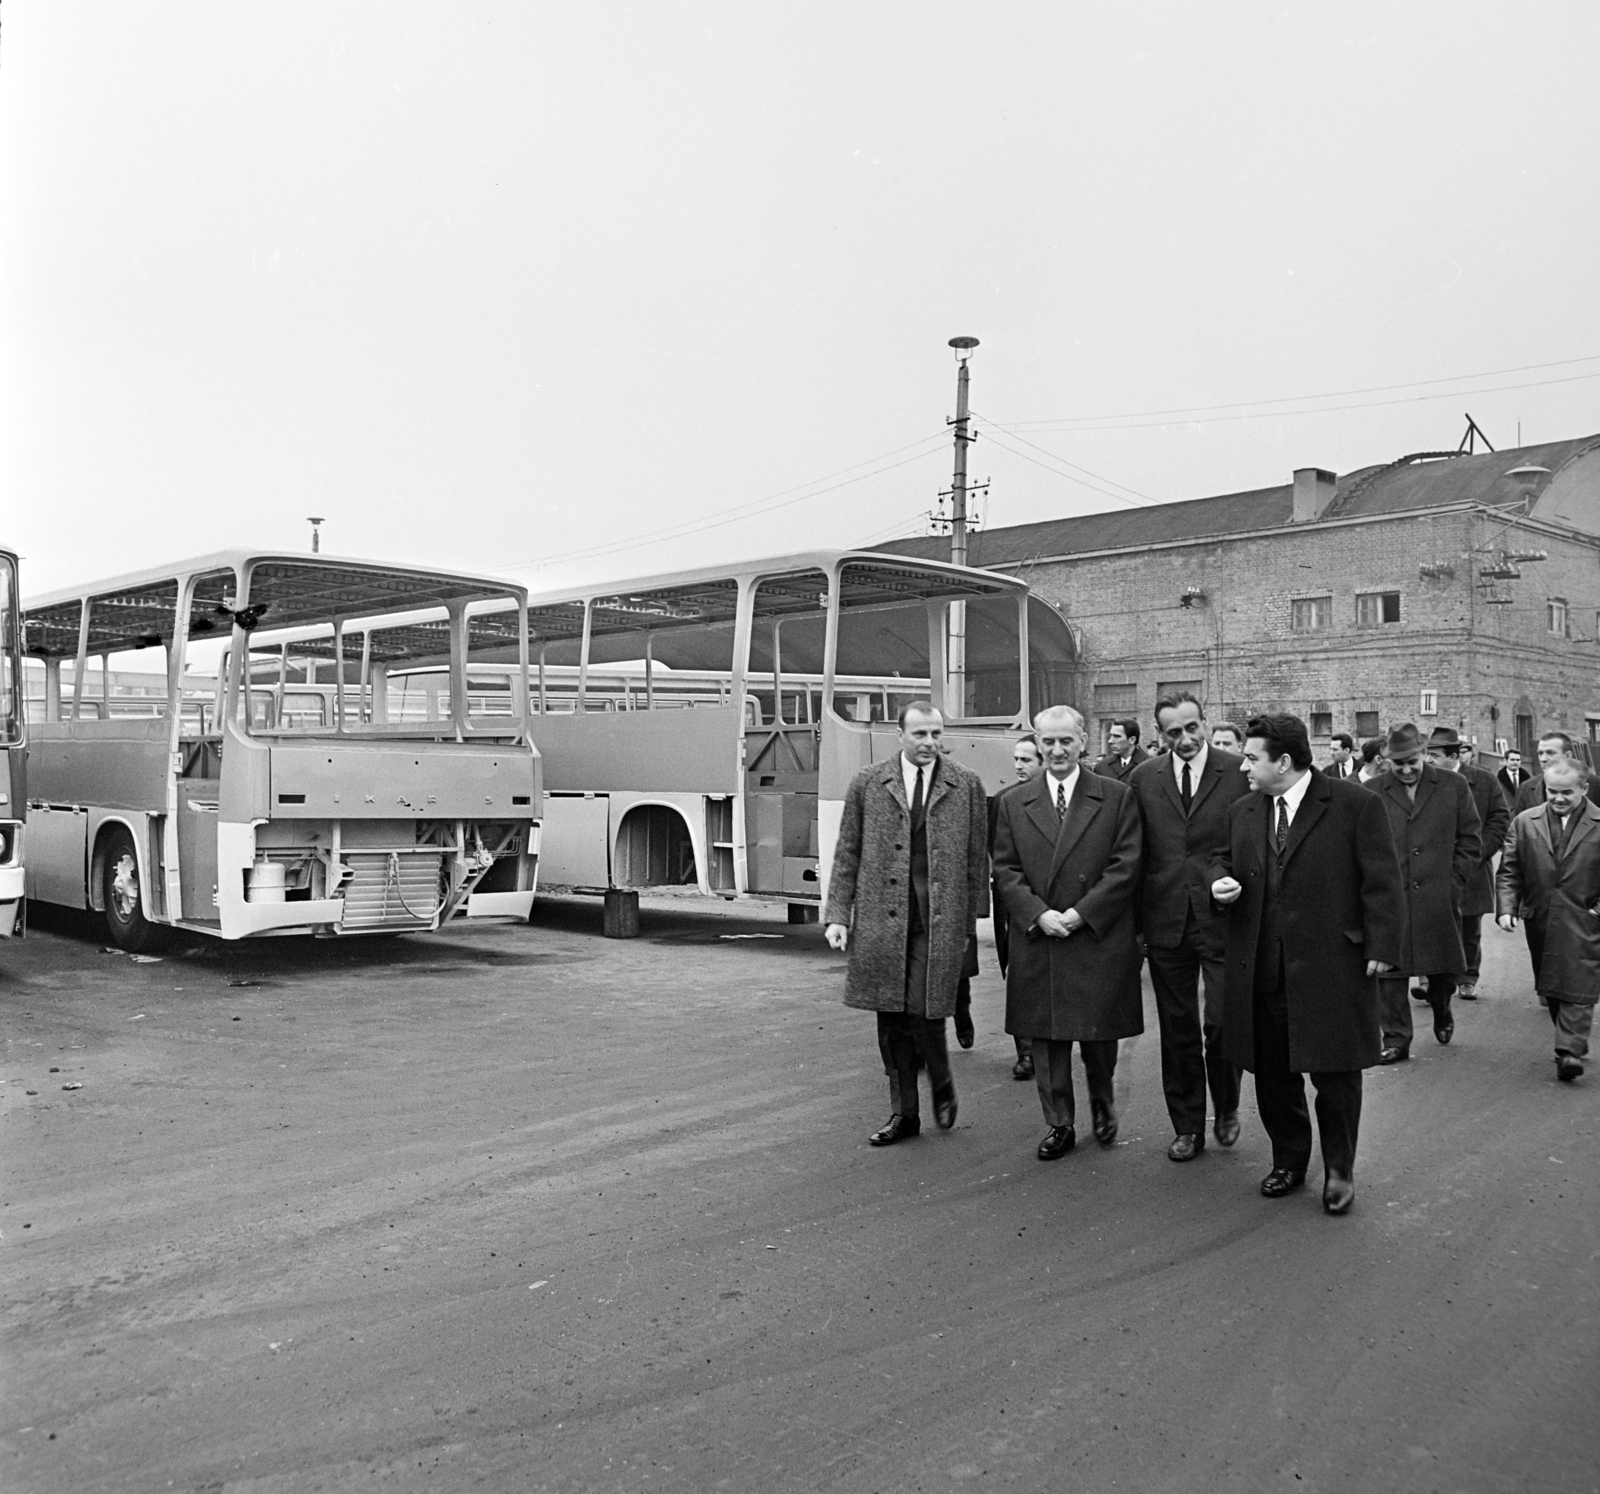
{"x": 1254, "y": 835}
{"x": 1085, "y": 805}
{"x": 1426, "y": 789}
{"x": 938, "y": 783}
{"x": 1208, "y": 781}
{"x": 894, "y": 781}
{"x": 1036, "y": 801}
{"x": 1587, "y": 817}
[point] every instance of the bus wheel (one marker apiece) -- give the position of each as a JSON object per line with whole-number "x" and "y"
{"x": 119, "y": 889}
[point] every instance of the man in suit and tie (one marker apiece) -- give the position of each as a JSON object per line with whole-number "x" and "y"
{"x": 1448, "y": 753}
{"x": 1123, "y": 752}
{"x": 1312, "y": 888}
{"x": 1437, "y": 840}
{"x": 1183, "y": 801}
{"x": 1066, "y": 863}
{"x": 1550, "y": 877}
{"x": 1341, "y": 756}
{"x": 909, "y": 881}
{"x": 1511, "y": 776}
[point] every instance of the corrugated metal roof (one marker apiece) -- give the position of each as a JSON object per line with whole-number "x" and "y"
{"x": 1406, "y": 485}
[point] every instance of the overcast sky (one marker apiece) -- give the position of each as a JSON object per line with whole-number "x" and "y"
{"x": 514, "y": 285}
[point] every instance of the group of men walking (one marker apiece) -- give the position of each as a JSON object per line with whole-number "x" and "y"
{"x": 1284, "y": 912}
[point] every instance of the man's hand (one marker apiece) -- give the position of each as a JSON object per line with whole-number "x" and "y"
{"x": 1225, "y": 890}
{"x": 1507, "y": 921}
{"x": 838, "y": 936}
{"x": 1377, "y": 967}
{"x": 1059, "y": 925}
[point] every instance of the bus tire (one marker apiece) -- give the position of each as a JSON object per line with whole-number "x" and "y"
{"x": 120, "y": 893}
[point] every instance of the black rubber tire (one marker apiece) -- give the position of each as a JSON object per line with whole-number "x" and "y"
{"x": 120, "y": 893}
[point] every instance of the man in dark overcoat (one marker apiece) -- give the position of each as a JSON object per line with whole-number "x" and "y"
{"x": 908, "y": 884}
{"x": 1312, "y": 887}
{"x": 1183, "y": 805}
{"x": 1123, "y": 753}
{"x": 1066, "y": 863}
{"x": 1550, "y": 876}
{"x": 1511, "y": 776}
{"x": 1448, "y": 753}
{"x": 1436, "y": 837}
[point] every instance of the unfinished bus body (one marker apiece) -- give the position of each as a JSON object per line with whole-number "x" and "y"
{"x": 13, "y": 738}
{"x": 700, "y": 729}
{"x": 236, "y": 821}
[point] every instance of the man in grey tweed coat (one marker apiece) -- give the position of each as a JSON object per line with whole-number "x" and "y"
{"x": 909, "y": 882}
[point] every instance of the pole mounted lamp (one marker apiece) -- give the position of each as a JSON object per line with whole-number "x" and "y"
{"x": 316, "y": 533}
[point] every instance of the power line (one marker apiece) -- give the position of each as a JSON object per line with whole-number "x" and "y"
{"x": 1251, "y": 405}
{"x": 993, "y": 425}
{"x": 1056, "y": 471}
{"x": 735, "y": 515}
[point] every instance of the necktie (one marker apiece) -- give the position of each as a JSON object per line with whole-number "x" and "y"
{"x": 916, "y": 797}
{"x": 1283, "y": 824}
{"x": 1558, "y": 834}
{"x": 1061, "y": 798}
{"x": 1187, "y": 791}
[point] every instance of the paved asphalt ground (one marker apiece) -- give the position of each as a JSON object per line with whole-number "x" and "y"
{"x": 526, "y": 1209}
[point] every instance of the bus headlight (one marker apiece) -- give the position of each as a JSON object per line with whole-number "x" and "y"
{"x": 10, "y": 841}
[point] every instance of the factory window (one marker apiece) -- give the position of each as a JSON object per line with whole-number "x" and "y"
{"x": 1366, "y": 724}
{"x": 1111, "y": 699}
{"x": 1322, "y": 723}
{"x": 1555, "y": 612}
{"x": 1376, "y": 607}
{"x": 1309, "y": 614}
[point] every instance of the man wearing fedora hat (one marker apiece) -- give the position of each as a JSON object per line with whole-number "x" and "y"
{"x": 1448, "y": 753}
{"x": 1436, "y": 837}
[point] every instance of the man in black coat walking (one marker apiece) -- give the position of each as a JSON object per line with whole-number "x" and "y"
{"x": 1448, "y": 753}
{"x": 1066, "y": 862}
{"x": 1554, "y": 746}
{"x": 1183, "y": 800}
{"x": 1312, "y": 887}
{"x": 1511, "y": 776}
{"x": 1436, "y": 838}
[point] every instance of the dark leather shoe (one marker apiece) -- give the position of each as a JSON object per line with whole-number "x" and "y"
{"x": 1420, "y": 994}
{"x": 1227, "y": 1128}
{"x": 898, "y": 1128}
{"x": 944, "y": 1112}
{"x": 1395, "y": 1055}
{"x": 1444, "y": 1025}
{"x": 1280, "y": 1182}
{"x": 1105, "y": 1122}
{"x": 1468, "y": 992}
{"x": 964, "y": 1029}
{"x": 1058, "y": 1141}
{"x": 1186, "y": 1146}
{"x": 1568, "y": 1068}
{"x": 1023, "y": 1067}
{"x": 1338, "y": 1193}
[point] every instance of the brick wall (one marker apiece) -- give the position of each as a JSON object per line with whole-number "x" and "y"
{"x": 1239, "y": 639}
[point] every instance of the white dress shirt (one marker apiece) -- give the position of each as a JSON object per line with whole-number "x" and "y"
{"x": 1291, "y": 797}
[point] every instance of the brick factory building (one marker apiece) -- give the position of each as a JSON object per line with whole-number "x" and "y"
{"x": 1448, "y": 589}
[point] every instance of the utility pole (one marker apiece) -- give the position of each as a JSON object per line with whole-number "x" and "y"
{"x": 956, "y": 646}
{"x": 316, "y": 533}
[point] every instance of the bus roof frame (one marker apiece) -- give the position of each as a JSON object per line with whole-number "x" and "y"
{"x": 449, "y": 588}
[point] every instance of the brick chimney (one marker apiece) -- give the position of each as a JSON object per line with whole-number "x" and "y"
{"x": 1313, "y": 492}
